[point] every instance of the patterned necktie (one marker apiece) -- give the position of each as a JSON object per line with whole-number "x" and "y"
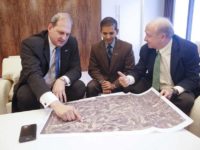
{"x": 156, "y": 72}
{"x": 109, "y": 51}
{"x": 57, "y": 62}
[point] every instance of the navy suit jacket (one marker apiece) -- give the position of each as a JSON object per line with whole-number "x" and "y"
{"x": 184, "y": 67}
{"x": 35, "y": 56}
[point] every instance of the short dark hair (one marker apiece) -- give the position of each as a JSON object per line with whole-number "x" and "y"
{"x": 109, "y": 21}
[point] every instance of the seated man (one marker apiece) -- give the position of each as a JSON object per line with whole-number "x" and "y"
{"x": 50, "y": 70}
{"x": 168, "y": 63}
{"x": 106, "y": 58}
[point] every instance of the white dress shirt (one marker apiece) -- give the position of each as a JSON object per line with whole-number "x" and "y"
{"x": 49, "y": 97}
{"x": 165, "y": 76}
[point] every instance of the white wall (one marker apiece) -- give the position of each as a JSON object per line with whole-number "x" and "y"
{"x": 132, "y": 16}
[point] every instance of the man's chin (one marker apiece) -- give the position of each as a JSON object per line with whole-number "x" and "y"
{"x": 108, "y": 41}
{"x": 149, "y": 46}
{"x": 60, "y": 44}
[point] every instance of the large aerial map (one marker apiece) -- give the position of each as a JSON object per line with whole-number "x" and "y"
{"x": 121, "y": 112}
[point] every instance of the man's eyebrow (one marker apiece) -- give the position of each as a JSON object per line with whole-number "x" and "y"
{"x": 108, "y": 32}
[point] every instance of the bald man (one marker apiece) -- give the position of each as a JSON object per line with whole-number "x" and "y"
{"x": 179, "y": 65}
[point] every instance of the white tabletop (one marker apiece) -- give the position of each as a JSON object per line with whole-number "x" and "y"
{"x": 10, "y": 125}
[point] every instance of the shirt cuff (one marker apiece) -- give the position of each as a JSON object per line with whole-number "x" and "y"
{"x": 131, "y": 79}
{"x": 67, "y": 80}
{"x": 47, "y": 98}
{"x": 180, "y": 89}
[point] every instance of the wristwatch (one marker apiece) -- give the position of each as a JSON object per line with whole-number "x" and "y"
{"x": 62, "y": 78}
{"x": 175, "y": 93}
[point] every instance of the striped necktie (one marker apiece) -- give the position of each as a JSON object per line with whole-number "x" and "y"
{"x": 109, "y": 52}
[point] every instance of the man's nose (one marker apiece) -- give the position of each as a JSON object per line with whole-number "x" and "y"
{"x": 108, "y": 36}
{"x": 64, "y": 36}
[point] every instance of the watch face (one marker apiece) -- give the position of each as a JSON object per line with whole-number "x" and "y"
{"x": 174, "y": 94}
{"x": 175, "y": 91}
{"x": 62, "y": 78}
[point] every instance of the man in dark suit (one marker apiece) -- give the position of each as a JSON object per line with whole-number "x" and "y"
{"x": 179, "y": 65}
{"x": 106, "y": 58}
{"x": 39, "y": 83}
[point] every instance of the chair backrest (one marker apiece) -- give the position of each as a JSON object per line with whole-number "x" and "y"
{"x": 198, "y": 45}
{"x": 11, "y": 68}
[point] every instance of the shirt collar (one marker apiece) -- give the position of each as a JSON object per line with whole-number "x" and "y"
{"x": 167, "y": 47}
{"x": 51, "y": 45}
{"x": 112, "y": 44}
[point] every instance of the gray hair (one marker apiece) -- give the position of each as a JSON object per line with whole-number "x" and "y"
{"x": 163, "y": 25}
{"x": 60, "y": 16}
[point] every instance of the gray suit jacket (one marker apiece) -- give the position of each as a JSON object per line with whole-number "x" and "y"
{"x": 35, "y": 56}
{"x": 122, "y": 60}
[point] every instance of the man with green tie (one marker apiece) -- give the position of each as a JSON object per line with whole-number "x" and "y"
{"x": 168, "y": 63}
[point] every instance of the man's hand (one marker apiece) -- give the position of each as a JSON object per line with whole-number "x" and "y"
{"x": 106, "y": 87}
{"x": 167, "y": 93}
{"x": 59, "y": 90}
{"x": 123, "y": 80}
{"x": 65, "y": 112}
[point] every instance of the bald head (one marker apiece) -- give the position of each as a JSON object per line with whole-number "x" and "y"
{"x": 158, "y": 33}
{"x": 161, "y": 25}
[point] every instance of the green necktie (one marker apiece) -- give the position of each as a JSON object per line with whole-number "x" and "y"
{"x": 156, "y": 73}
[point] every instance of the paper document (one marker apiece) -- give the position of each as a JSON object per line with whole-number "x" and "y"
{"x": 121, "y": 112}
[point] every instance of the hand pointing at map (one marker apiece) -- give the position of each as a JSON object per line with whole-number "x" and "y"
{"x": 65, "y": 112}
{"x": 123, "y": 79}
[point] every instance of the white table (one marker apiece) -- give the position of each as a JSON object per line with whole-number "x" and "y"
{"x": 10, "y": 125}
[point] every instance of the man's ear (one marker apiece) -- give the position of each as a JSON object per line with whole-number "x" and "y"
{"x": 163, "y": 36}
{"x": 117, "y": 30}
{"x": 50, "y": 26}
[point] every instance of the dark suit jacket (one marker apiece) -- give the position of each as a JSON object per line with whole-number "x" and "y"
{"x": 35, "y": 56}
{"x": 122, "y": 60}
{"x": 184, "y": 63}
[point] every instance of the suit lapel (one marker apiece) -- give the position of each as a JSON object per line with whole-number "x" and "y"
{"x": 63, "y": 55}
{"x": 174, "y": 58}
{"x": 104, "y": 56}
{"x": 115, "y": 55}
{"x": 47, "y": 50}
